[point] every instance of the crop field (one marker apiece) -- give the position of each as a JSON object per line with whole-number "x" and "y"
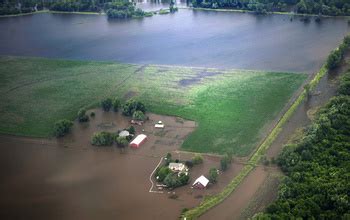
{"x": 231, "y": 107}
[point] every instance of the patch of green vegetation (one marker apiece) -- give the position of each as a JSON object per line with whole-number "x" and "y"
{"x": 231, "y": 107}
{"x": 317, "y": 167}
{"x": 163, "y": 11}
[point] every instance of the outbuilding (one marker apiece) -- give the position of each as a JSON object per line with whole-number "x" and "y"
{"x": 140, "y": 139}
{"x": 124, "y": 133}
{"x": 159, "y": 124}
{"x": 200, "y": 183}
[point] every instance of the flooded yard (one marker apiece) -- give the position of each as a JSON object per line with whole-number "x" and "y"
{"x": 71, "y": 179}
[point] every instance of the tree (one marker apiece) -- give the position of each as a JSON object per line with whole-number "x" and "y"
{"x": 213, "y": 175}
{"x": 131, "y": 129}
{"x": 189, "y": 163}
{"x": 116, "y": 104}
{"x": 62, "y": 127}
{"x": 131, "y": 106}
{"x": 106, "y": 104}
{"x": 171, "y": 180}
{"x": 183, "y": 178}
{"x": 172, "y": 7}
{"x": 122, "y": 142}
{"x": 344, "y": 87}
{"x": 82, "y": 117}
{"x": 197, "y": 159}
{"x": 138, "y": 115}
{"x": 316, "y": 184}
{"x": 334, "y": 59}
{"x": 162, "y": 173}
{"x": 102, "y": 138}
{"x": 225, "y": 161}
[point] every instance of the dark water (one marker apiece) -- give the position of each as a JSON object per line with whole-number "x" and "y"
{"x": 186, "y": 38}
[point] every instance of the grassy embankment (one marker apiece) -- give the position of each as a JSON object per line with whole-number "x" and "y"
{"x": 52, "y": 12}
{"x": 231, "y": 107}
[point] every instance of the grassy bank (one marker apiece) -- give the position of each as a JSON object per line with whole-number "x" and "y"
{"x": 232, "y": 108}
{"x": 52, "y": 12}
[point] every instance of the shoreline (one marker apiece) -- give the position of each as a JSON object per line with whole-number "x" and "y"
{"x": 182, "y": 8}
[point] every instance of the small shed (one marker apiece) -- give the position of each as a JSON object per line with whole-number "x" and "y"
{"x": 159, "y": 124}
{"x": 124, "y": 133}
{"x": 140, "y": 139}
{"x": 201, "y": 182}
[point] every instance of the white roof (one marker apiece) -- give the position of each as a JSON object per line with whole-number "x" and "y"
{"x": 124, "y": 133}
{"x": 176, "y": 165}
{"x": 202, "y": 180}
{"x": 159, "y": 126}
{"x": 138, "y": 139}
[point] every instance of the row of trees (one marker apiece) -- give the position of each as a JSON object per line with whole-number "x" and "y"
{"x": 317, "y": 168}
{"x": 336, "y": 56}
{"x": 113, "y": 8}
{"x": 325, "y": 7}
{"x": 133, "y": 108}
{"x": 105, "y": 138}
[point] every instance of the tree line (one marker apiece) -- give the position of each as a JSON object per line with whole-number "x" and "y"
{"x": 113, "y": 8}
{"x": 317, "y": 167}
{"x": 318, "y": 7}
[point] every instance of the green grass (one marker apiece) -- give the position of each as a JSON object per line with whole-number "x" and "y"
{"x": 232, "y": 108}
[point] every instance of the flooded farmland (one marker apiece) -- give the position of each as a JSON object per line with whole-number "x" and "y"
{"x": 70, "y": 179}
{"x": 187, "y": 38}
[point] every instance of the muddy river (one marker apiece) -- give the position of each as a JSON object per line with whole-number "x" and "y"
{"x": 186, "y": 38}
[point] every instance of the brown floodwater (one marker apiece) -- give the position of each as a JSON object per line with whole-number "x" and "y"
{"x": 324, "y": 91}
{"x": 70, "y": 179}
{"x": 186, "y": 38}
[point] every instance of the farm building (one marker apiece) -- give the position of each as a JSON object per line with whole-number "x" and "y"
{"x": 201, "y": 182}
{"x": 124, "y": 133}
{"x": 140, "y": 139}
{"x": 177, "y": 167}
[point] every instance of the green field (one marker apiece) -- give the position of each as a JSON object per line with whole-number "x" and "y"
{"x": 232, "y": 107}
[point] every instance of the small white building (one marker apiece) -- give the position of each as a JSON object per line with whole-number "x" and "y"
{"x": 124, "y": 133}
{"x": 201, "y": 182}
{"x": 159, "y": 124}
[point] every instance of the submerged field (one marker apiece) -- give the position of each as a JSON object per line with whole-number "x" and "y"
{"x": 231, "y": 107}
